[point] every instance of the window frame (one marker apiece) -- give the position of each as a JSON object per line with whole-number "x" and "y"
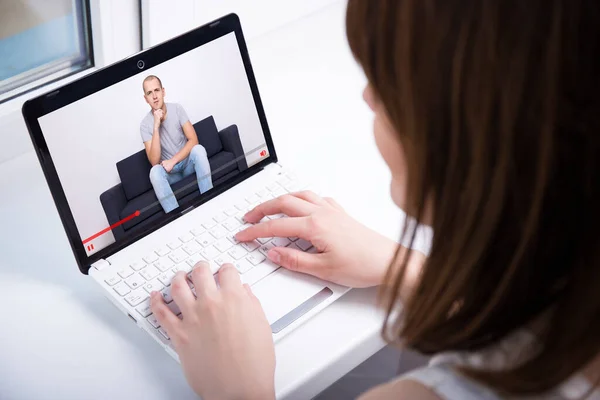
{"x": 61, "y": 68}
{"x": 110, "y": 21}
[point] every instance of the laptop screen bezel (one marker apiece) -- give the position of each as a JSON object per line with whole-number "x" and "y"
{"x": 111, "y": 75}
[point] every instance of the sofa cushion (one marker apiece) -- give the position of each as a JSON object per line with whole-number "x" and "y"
{"x": 208, "y": 136}
{"x": 134, "y": 172}
{"x": 181, "y": 189}
{"x": 221, "y": 164}
{"x": 140, "y": 203}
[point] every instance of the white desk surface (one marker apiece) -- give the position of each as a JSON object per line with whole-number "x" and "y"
{"x": 60, "y": 337}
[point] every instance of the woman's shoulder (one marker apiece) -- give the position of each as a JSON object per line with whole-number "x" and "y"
{"x": 400, "y": 389}
{"x": 431, "y": 383}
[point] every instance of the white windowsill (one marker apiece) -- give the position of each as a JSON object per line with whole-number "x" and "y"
{"x": 16, "y": 103}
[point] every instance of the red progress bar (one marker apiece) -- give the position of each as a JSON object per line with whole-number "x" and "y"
{"x": 113, "y": 226}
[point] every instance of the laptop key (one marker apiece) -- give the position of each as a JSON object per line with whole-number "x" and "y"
{"x": 166, "y": 294}
{"x": 164, "y": 264}
{"x": 209, "y": 224}
{"x": 150, "y": 258}
{"x": 252, "y": 199}
{"x": 237, "y": 252}
{"x": 206, "y": 239}
{"x": 242, "y": 205}
{"x": 153, "y": 321}
{"x": 175, "y": 244}
{"x": 231, "y": 224}
{"x": 293, "y": 238}
{"x": 155, "y": 285}
{"x": 232, "y": 239}
{"x": 192, "y": 247}
{"x": 243, "y": 265}
{"x": 137, "y": 265}
{"x": 223, "y": 245}
{"x": 273, "y": 186}
{"x": 303, "y": 244}
{"x": 265, "y": 248}
{"x": 256, "y": 258}
{"x": 136, "y": 297}
{"x": 198, "y": 231}
{"x": 165, "y": 278}
{"x": 264, "y": 240}
{"x": 218, "y": 232}
{"x": 182, "y": 267}
{"x": 135, "y": 281}
{"x": 210, "y": 252}
{"x": 144, "y": 308}
{"x": 194, "y": 259}
{"x": 281, "y": 242}
{"x": 162, "y": 251}
{"x": 250, "y": 246}
{"x": 186, "y": 237}
{"x": 174, "y": 308}
{"x": 284, "y": 180}
{"x": 113, "y": 280}
{"x": 178, "y": 256}
{"x": 220, "y": 217}
{"x": 230, "y": 211}
{"x": 261, "y": 193}
{"x": 164, "y": 334}
{"x": 125, "y": 272}
{"x": 121, "y": 288}
{"x": 223, "y": 259}
{"x": 294, "y": 247}
{"x": 279, "y": 192}
{"x": 150, "y": 272}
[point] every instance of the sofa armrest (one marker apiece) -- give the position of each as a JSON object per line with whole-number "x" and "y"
{"x": 230, "y": 138}
{"x": 114, "y": 201}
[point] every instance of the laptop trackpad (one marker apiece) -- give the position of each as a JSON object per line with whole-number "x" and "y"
{"x": 286, "y": 296}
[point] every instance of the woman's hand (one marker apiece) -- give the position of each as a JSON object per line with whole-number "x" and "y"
{"x": 349, "y": 254}
{"x": 224, "y": 340}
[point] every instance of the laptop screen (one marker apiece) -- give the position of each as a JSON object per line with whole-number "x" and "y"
{"x": 130, "y": 153}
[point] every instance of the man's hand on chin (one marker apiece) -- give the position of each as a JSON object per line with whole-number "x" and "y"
{"x": 168, "y": 165}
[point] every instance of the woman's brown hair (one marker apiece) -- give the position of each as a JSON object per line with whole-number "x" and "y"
{"x": 497, "y": 106}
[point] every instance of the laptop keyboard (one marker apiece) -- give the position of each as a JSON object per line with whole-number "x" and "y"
{"x": 212, "y": 241}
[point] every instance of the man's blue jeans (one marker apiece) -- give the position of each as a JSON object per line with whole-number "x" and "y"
{"x": 162, "y": 180}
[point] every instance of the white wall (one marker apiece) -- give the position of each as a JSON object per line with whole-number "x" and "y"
{"x": 164, "y": 19}
{"x": 87, "y": 138}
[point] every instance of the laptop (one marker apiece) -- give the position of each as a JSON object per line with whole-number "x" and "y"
{"x": 152, "y": 163}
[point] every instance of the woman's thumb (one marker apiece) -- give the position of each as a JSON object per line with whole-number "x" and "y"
{"x": 293, "y": 259}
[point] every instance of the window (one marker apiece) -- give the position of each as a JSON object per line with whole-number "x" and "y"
{"x": 42, "y": 41}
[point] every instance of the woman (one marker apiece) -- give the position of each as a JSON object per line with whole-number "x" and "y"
{"x": 487, "y": 114}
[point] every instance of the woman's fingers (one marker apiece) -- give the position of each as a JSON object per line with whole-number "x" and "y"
{"x": 309, "y": 196}
{"x": 182, "y": 293}
{"x": 296, "y": 260}
{"x": 164, "y": 315}
{"x": 281, "y": 227}
{"x": 229, "y": 277}
{"x": 287, "y": 204}
{"x": 203, "y": 279}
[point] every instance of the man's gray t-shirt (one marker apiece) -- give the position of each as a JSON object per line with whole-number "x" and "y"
{"x": 172, "y": 138}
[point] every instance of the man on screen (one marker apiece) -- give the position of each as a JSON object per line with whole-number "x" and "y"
{"x": 171, "y": 145}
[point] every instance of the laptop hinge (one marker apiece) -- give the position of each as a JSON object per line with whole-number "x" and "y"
{"x": 101, "y": 264}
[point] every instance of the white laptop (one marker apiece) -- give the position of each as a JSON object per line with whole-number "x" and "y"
{"x": 89, "y": 141}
